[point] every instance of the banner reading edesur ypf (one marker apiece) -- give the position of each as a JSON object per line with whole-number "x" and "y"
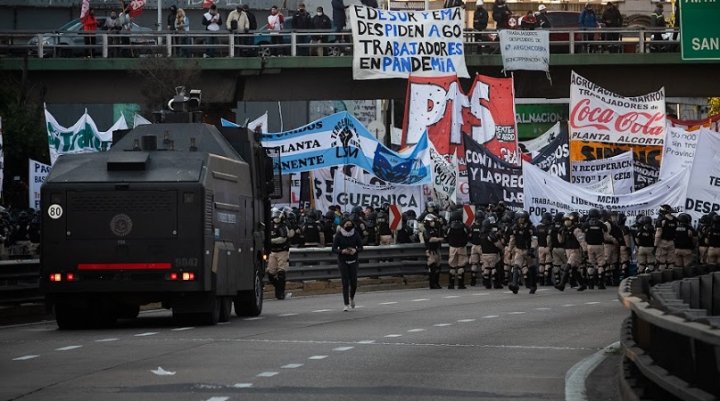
{"x": 486, "y": 114}
{"x": 395, "y": 44}
{"x": 599, "y": 115}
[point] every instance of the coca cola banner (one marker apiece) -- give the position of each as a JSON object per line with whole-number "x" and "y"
{"x": 487, "y": 114}
{"x": 491, "y": 179}
{"x": 599, "y": 115}
{"x": 646, "y": 158}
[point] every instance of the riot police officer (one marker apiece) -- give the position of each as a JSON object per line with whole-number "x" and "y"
{"x": 457, "y": 237}
{"x": 557, "y": 248}
{"x": 491, "y": 247}
{"x": 382, "y": 228}
{"x": 544, "y": 251}
{"x": 312, "y": 230}
{"x": 280, "y": 237}
{"x": 702, "y": 231}
{"x": 405, "y": 233}
{"x": 521, "y": 244}
{"x": 572, "y": 236}
{"x": 596, "y": 235}
{"x": 625, "y": 243}
{"x": 685, "y": 241}
{"x": 645, "y": 240}
{"x": 713, "y": 241}
{"x": 433, "y": 238}
{"x": 664, "y": 238}
{"x": 476, "y": 232}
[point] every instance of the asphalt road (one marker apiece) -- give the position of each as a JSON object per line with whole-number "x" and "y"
{"x": 396, "y": 345}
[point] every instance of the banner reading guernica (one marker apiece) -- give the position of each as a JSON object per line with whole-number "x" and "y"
{"x": 596, "y": 114}
{"x": 395, "y": 44}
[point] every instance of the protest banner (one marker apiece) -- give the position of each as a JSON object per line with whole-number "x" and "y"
{"x": 340, "y": 139}
{"x": 396, "y": 44}
{"x": 491, "y": 179}
{"x": 604, "y": 186}
{"x": 525, "y": 49}
{"x": 679, "y": 151}
{"x": 703, "y": 191}
{"x": 354, "y": 187}
{"x": 37, "y": 173}
{"x": 599, "y": 115}
{"x": 533, "y": 146}
{"x": 646, "y": 158}
{"x": 712, "y": 123}
{"x": 82, "y": 137}
{"x": 544, "y": 192}
{"x": 619, "y": 168}
{"x": 487, "y": 114}
{"x": 444, "y": 178}
{"x": 554, "y": 157}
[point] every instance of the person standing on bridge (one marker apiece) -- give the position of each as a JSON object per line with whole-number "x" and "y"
{"x": 613, "y": 20}
{"x": 238, "y": 24}
{"x": 90, "y": 25}
{"x": 320, "y": 22}
{"x": 339, "y": 18}
{"x": 212, "y": 21}
{"x": 347, "y": 245}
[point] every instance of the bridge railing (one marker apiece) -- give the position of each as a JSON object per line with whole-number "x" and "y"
{"x": 19, "y": 278}
{"x": 671, "y": 341}
{"x": 300, "y": 43}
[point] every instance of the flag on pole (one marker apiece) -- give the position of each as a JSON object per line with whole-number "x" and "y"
{"x": 84, "y": 8}
{"x": 136, "y": 8}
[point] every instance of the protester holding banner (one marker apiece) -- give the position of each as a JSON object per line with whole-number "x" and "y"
{"x": 347, "y": 244}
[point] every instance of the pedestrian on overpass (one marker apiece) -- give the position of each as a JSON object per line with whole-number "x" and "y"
{"x": 90, "y": 25}
{"x": 347, "y": 244}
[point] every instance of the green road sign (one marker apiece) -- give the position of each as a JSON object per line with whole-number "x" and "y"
{"x": 700, "y": 29}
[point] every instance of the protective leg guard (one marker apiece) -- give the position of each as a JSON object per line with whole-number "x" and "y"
{"x": 461, "y": 279}
{"x": 280, "y": 285}
{"x": 625, "y": 271}
{"x": 601, "y": 281}
{"x": 557, "y": 273}
{"x": 498, "y": 276}
{"x": 532, "y": 283}
{"x": 451, "y": 279}
{"x": 508, "y": 274}
{"x": 514, "y": 280}
{"x": 563, "y": 279}
{"x": 580, "y": 280}
{"x": 434, "y": 277}
{"x": 473, "y": 278}
{"x": 486, "y": 278}
{"x": 591, "y": 277}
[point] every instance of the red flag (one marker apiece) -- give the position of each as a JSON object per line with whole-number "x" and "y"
{"x": 136, "y": 7}
{"x": 208, "y": 3}
{"x": 84, "y": 8}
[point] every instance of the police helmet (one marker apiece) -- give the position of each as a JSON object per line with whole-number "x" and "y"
{"x": 546, "y": 218}
{"x": 456, "y": 215}
{"x": 716, "y": 219}
{"x": 357, "y": 209}
{"x": 479, "y": 215}
{"x": 705, "y": 220}
{"x": 431, "y": 207}
{"x": 276, "y": 215}
{"x": 684, "y": 218}
{"x": 594, "y": 213}
{"x": 430, "y": 219}
{"x": 522, "y": 215}
{"x": 559, "y": 217}
{"x": 621, "y": 218}
{"x": 665, "y": 209}
{"x": 411, "y": 214}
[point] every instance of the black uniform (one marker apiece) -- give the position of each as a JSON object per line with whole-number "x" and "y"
{"x": 457, "y": 237}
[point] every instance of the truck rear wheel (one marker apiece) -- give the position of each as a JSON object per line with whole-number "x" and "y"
{"x": 249, "y": 303}
{"x": 70, "y": 317}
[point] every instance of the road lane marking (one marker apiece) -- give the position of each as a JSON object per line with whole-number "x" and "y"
{"x": 542, "y": 308}
{"x": 366, "y": 342}
{"x": 218, "y": 398}
{"x": 291, "y": 366}
{"x": 592, "y": 303}
{"x": 420, "y": 300}
{"x": 321, "y": 310}
{"x": 452, "y": 296}
{"x": 406, "y": 344}
{"x": 393, "y": 335}
{"x": 68, "y": 348}
{"x": 466, "y": 320}
{"x": 182, "y": 328}
{"x": 568, "y": 305}
{"x": 388, "y": 303}
{"x": 342, "y": 349}
{"x": 516, "y": 313}
{"x": 577, "y": 375}
{"x": 25, "y": 357}
{"x": 242, "y": 385}
{"x": 481, "y": 293}
{"x": 267, "y": 374}
{"x": 442, "y": 324}
{"x": 149, "y": 333}
{"x": 318, "y": 357}
{"x": 415, "y": 330}
{"x": 253, "y": 318}
{"x": 106, "y": 340}
{"x": 287, "y": 314}
{"x": 490, "y": 316}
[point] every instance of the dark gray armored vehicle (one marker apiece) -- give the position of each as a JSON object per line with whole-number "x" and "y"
{"x": 172, "y": 213}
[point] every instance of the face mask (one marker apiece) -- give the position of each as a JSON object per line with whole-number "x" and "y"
{"x": 276, "y": 220}
{"x": 113, "y": 16}
{"x": 568, "y": 223}
{"x": 319, "y": 13}
{"x": 348, "y": 228}
{"x": 273, "y": 12}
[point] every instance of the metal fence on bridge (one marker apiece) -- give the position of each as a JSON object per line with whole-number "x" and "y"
{"x": 302, "y": 43}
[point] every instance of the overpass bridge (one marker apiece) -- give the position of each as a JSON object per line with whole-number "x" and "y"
{"x": 246, "y": 69}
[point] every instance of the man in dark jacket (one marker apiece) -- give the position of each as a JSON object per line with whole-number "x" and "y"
{"x": 612, "y": 19}
{"x": 347, "y": 244}
{"x": 302, "y": 21}
{"x": 542, "y": 20}
{"x": 171, "y": 18}
{"x": 480, "y": 23}
{"x": 339, "y": 20}
{"x": 320, "y": 22}
{"x": 501, "y": 15}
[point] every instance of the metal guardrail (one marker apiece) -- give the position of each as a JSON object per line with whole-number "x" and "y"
{"x": 300, "y": 43}
{"x": 19, "y": 280}
{"x": 671, "y": 343}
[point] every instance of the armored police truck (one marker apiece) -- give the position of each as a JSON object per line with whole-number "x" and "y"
{"x": 173, "y": 213}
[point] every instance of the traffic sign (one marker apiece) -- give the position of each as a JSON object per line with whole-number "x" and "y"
{"x": 699, "y": 29}
{"x": 468, "y": 214}
{"x": 395, "y": 217}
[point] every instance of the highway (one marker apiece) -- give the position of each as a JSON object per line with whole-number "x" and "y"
{"x": 396, "y": 345}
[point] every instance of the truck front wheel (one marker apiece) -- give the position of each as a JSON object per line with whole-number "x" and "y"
{"x": 250, "y": 302}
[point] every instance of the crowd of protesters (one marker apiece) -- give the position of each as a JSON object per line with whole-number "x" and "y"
{"x": 19, "y": 234}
